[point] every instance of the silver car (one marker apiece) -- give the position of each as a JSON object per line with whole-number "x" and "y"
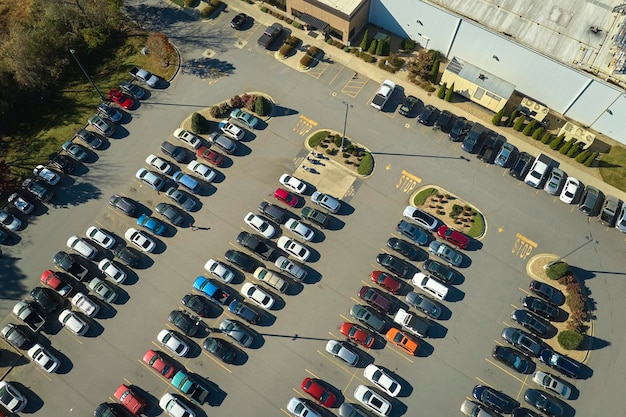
{"x": 555, "y": 181}
{"x": 326, "y": 201}
{"x": 342, "y": 351}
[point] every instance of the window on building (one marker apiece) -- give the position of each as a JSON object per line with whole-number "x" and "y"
{"x": 335, "y": 33}
{"x": 296, "y": 13}
{"x": 478, "y": 94}
{"x": 280, "y": 4}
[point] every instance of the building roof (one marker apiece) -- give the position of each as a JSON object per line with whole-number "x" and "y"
{"x": 343, "y": 6}
{"x": 480, "y": 77}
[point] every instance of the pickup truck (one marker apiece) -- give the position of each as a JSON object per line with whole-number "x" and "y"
{"x": 211, "y": 290}
{"x": 145, "y": 76}
{"x": 191, "y": 387}
{"x": 71, "y": 264}
{"x": 270, "y": 35}
{"x": 26, "y": 311}
{"x": 538, "y": 171}
{"x": 412, "y": 323}
{"x": 256, "y": 244}
{"x": 384, "y": 92}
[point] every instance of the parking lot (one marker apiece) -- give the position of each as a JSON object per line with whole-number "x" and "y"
{"x": 289, "y": 339}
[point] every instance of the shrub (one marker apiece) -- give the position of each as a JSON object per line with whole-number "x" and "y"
{"x": 225, "y": 108}
{"x": 580, "y": 158}
{"x": 386, "y": 47}
{"x": 566, "y": 147}
{"x": 449, "y": 93}
{"x": 591, "y": 159}
{"x": 557, "y": 142}
{"x": 434, "y": 71}
{"x": 574, "y": 149}
{"x": 337, "y": 140}
{"x": 317, "y": 137}
{"x": 408, "y": 44}
{"x": 497, "y": 117}
{"x": 214, "y": 111}
{"x": 511, "y": 119}
{"x": 367, "y": 164}
{"x": 519, "y": 123}
{"x": 367, "y": 57}
{"x": 297, "y": 25}
{"x": 206, "y": 12}
{"x": 248, "y": 101}
{"x": 199, "y": 124}
{"x": 420, "y": 198}
{"x": 557, "y": 270}
{"x": 306, "y": 61}
{"x": 442, "y": 91}
{"x": 313, "y": 51}
{"x": 288, "y": 21}
{"x": 236, "y": 102}
{"x": 189, "y": 3}
{"x": 292, "y": 40}
{"x": 215, "y": 3}
{"x": 264, "y": 9}
{"x": 547, "y": 137}
{"x": 379, "y": 47}
{"x": 528, "y": 130}
{"x": 372, "y": 48}
{"x": 285, "y": 50}
{"x": 538, "y": 132}
{"x": 262, "y": 106}
{"x": 364, "y": 41}
{"x": 570, "y": 339}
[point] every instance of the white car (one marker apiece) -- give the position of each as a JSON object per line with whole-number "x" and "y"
{"x": 382, "y": 380}
{"x": 140, "y": 239}
{"x": 424, "y": 220}
{"x": 162, "y": 165}
{"x": 472, "y": 409}
{"x": 219, "y": 270}
{"x": 257, "y": 295}
{"x": 173, "y": 342}
{"x": 81, "y": 247}
{"x": 85, "y": 304}
{"x": 175, "y": 407}
{"x": 292, "y": 183}
{"x": 72, "y": 321}
{"x": 43, "y": 358}
{"x": 341, "y": 351}
{"x": 9, "y": 221}
{"x": 191, "y": 140}
{"x": 11, "y": 398}
{"x": 326, "y": 201}
{"x": 552, "y": 383}
{"x": 111, "y": 270}
{"x": 291, "y": 268}
{"x": 201, "y": 170}
{"x": 270, "y": 278}
{"x": 570, "y": 190}
{"x": 232, "y": 131}
{"x": 259, "y": 224}
{"x": 299, "y": 229}
{"x": 48, "y": 175}
{"x": 372, "y": 400}
{"x": 100, "y": 237}
{"x": 299, "y": 408}
{"x": 151, "y": 179}
{"x": 294, "y": 248}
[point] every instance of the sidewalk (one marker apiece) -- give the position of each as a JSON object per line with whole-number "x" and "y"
{"x": 373, "y": 72}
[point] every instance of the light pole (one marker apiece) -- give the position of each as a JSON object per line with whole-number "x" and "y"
{"x": 345, "y": 123}
{"x": 589, "y": 240}
{"x": 86, "y": 75}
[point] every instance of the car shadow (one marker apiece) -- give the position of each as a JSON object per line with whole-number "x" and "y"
{"x": 454, "y": 295}
{"x": 266, "y": 318}
{"x": 335, "y": 224}
{"x": 312, "y": 276}
{"x": 437, "y": 331}
{"x": 219, "y": 177}
{"x": 314, "y": 255}
{"x": 345, "y": 209}
{"x": 107, "y": 311}
{"x": 294, "y": 288}
{"x": 241, "y": 357}
{"x": 170, "y": 231}
{"x": 122, "y": 296}
{"x": 160, "y": 246}
{"x": 95, "y": 328}
{"x": 242, "y": 150}
{"x": 35, "y": 402}
{"x": 425, "y": 349}
{"x": 227, "y": 161}
{"x": 216, "y": 396}
{"x": 66, "y": 364}
{"x": 474, "y": 245}
{"x": 207, "y": 190}
{"x": 279, "y": 303}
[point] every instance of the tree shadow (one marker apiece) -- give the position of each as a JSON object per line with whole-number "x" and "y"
{"x": 593, "y": 343}
{"x": 283, "y": 111}
{"x": 207, "y": 68}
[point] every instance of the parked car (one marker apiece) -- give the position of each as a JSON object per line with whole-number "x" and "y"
{"x": 423, "y": 219}
{"x": 50, "y": 176}
{"x": 342, "y": 351}
{"x": 160, "y": 164}
{"x": 186, "y": 322}
{"x": 85, "y": 305}
{"x": 225, "y": 144}
{"x": 555, "y": 181}
{"x": 16, "y": 336}
{"x": 403, "y": 247}
{"x": 188, "y": 138}
{"x": 547, "y": 292}
{"x": 259, "y": 224}
{"x": 446, "y": 253}
{"x": 394, "y": 264}
{"x": 173, "y": 342}
{"x": 231, "y": 130}
{"x": 513, "y": 359}
{"x": 443, "y": 121}
{"x": 101, "y": 237}
{"x": 609, "y": 212}
{"x": 326, "y": 201}
{"x": 109, "y": 112}
{"x": 543, "y": 402}
{"x": 111, "y": 270}
{"x": 220, "y": 349}
{"x": 159, "y": 363}
{"x": 319, "y": 392}
{"x": 75, "y": 151}
{"x": 237, "y": 332}
{"x": 379, "y": 377}
{"x": 372, "y": 400}
{"x": 56, "y": 282}
{"x": 123, "y": 204}
{"x": 63, "y": 163}
{"x": 369, "y": 317}
{"x": 140, "y": 239}
{"x": 291, "y": 268}
{"x": 127, "y": 255}
{"x": 201, "y": 171}
{"x": 197, "y": 303}
{"x": 522, "y": 340}
{"x": 134, "y": 90}
{"x": 459, "y": 239}
{"x": 440, "y": 271}
{"x": 103, "y": 126}
{"x": 219, "y": 270}
{"x": 506, "y": 155}
{"x": 271, "y": 278}
{"x": 11, "y": 398}
{"x": 413, "y": 232}
{"x": 240, "y": 309}
{"x": 245, "y": 118}
{"x": 376, "y": 299}
{"x": 174, "y": 151}
{"x": 552, "y": 383}
{"x": 520, "y": 167}
{"x": 171, "y": 213}
{"x": 403, "y": 341}
{"x": 73, "y": 322}
{"x": 472, "y": 409}
{"x": 103, "y": 290}
{"x": 121, "y": 99}
{"x": 570, "y": 190}
{"x": 43, "y": 358}
{"x": 238, "y": 21}
{"x": 299, "y": 229}
{"x": 241, "y": 260}
{"x": 182, "y": 198}
{"x": 321, "y": 219}
{"x": 38, "y": 189}
{"x": 47, "y": 300}
{"x": 386, "y": 281}
{"x": 293, "y": 248}
{"x": 494, "y": 399}
{"x": 541, "y": 307}
{"x": 209, "y": 155}
{"x": 81, "y": 247}
{"x": 153, "y": 225}
{"x": 530, "y": 322}
{"x": 130, "y": 399}
{"x": 561, "y": 363}
{"x": 20, "y": 202}
{"x": 274, "y": 212}
{"x": 286, "y": 197}
{"x": 459, "y": 129}
{"x": 175, "y": 407}
{"x": 425, "y": 304}
{"x": 292, "y": 183}
{"x": 620, "y": 221}
{"x": 428, "y": 115}
{"x": 590, "y": 201}
{"x": 408, "y": 105}
{"x": 300, "y": 408}
{"x": 9, "y": 221}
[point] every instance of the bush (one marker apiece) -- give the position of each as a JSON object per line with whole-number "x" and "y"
{"x": 225, "y": 108}
{"x": 511, "y": 119}
{"x": 372, "y": 48}
{"x": 214, "y": 111}
{"x": 264, "y": 9}
{"x": 547, "y": 137}
{"x": 570, "y": 339}
{"x": 420, "y": 198}
{"x": 379, "y": 47}
{"x": 386, "y": 48}
{"x": 236, "y": 102}
{"x": 367, "y": 164}
{"x": 337, "y": 140}
{"x": 189, "y": 3}
{"x": 434, "y": 71}
{"x": 317, "y": 138}
{"x": 574, "y": 149}
{"x": 557, "y": 270}
{"x": 285, "y": 50}
{"x": 497, "y": 117}
{"x": 364, "y": 41}
{"x": 538, "y": 132}
{"x": 591, "y": 159}
{"x": 313, "y": 51}
{"x": 408, "y": 44}
{"x": 306, "y": 61}
{"x": 566, "y": 147}
{"x": 519, "y": 123}
{"x": 292, "y": 40}
{"x": 297, "y": 25}
{"x": 580, "y": 158}
{"x": 442, "y": 91}
{"x": 216, "y": 3}
{"x": 528, "y": 130}
{"x": 248, "y": 101}
{"x": 262, "y": 106}
{"x": 557, "y": 142}
{"x": 207, "y": 11}
{"x": 199, "y": 124}
{"x": 367, "y": 57}
{"x": 449, "y": 93}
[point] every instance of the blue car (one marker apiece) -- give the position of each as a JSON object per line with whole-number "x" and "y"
{"x": 155, "y": 226}
{"x": 413, "y": 232}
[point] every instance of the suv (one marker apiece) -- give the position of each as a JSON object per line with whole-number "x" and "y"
{"x": 609, "y": 211}
{"x": 175, "y": 152}
{"x": 412, "y": 232}
{"x": 471, "y": 141}
{"x": 521, "y": 166}
{"x": 319, "y": 218}
{"x": 444, "y": 119}
{"x": 590, "y": 201}
{"x": 227, "y": 145}
{"x": 494, "y": 399}
{"x": 273, "y": 212}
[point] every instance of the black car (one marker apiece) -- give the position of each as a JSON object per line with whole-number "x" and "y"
{"x": 428, "y": 115}
{"x": 46, "y": 299}
{"x": 89, "y": 138}
{"x": 547, "y": 292}
{"x": 38, "y": 188}
{"x": 443, "y": 121}
{"x": 408, "y": 105}
{"x": 198, "y": 304}
{"x": 425, "y": 304}
{"x": 530, "y": 321}
{"x": 492, "y": 145}
{"x": 128, "y": 256}
{"x": 394, "y": 264}
{"x": 493, "y": 399}
{"x": 591, "y": 201}
{"x": 242, "y": 260}
{"x": 273, "y": 212}
{"x": 524, "y": 412}
{"x": 459, "y": 129}
{"x": 541, "y": 307}
{"x": 63, "y": 163}
{"x": 220, "y": 349}
{"x": 72, "y": 264}
{"x": 440, "y": 271}
{"x": 403, "y": 247}
{"x": 520, "y": 167}
{"x": 171, "y": 213}
{"x": 108, "y": 410}
{"x": 544, "y": 402}
{"x": 123, "y": 204}
{"x": 561, "y": 363}
{"x": 522, "y": 340}
{"x": 242, "y": 310}
{"x": 238, "y": 21}
{"x": 472, "y": 140}
{"x": 513, "y": 359}
{"x": 185, "y": 322}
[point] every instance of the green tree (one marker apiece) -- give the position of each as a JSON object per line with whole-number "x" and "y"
{"x": 538, "y": 132}
{"x": 386, "y": 49}
{"x": 557, "y": 142}
{"x": 519, "y": 123}
{"x": 449, "y": 93}
{"x": 442, "y": 91}
{"x": 566, "y": 147}
{"x": 372, "y": 48}
{"x": 365, "y": 40}
{"x": 546, "y": 138}
{"x": 379, "y": 47}
{"x": 580, "y": 158}
{"x": 570, "y": 339}
{"x": 573, "y": 149}
{"x": 528, "y": 130}
{"x": 590, "y": 160}
{"x": 434, "y": 71}
{"x": 262, "y": 106}
{"x": 497, "y": 117}
{"x": 511, "y": 119}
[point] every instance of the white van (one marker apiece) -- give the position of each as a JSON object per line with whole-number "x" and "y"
{"x": 430, "y": 286}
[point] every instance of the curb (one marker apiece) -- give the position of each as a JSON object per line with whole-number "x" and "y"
{"x": 337, "y": 164}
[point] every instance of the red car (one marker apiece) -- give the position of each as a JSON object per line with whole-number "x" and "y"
{"x": 56, "y": 282}
{"x": 156, "y": 362}
{"x": 357, "y": 334}
{"x": 387, "y": 281}
{"x": 130, "y": 400}
{"x": 453, "y": 236}
{"x": 286, "y": 197}
{"x": 210, "y": 156}
{"x": 376, "y": 298}
{"x": 121, "y": 99}
{"x": 320, "y": 393}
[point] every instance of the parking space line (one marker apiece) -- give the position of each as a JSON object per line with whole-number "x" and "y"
{"x": 288, "y": 414}
{"x": 44, "y": 374}
{"x": 355, "y": 300}
{"x": 344, "y": 317}
{"x": 216, "y": 361}
{"x": 506, "y": 371}
{"x": 403, "y": 355}
{"x": 525, "y": 290}
{"x": 333, "y": 336}
{"x": 483, "y": 382}
{"x": 311, "y": 373}
{"x": 524, "y": 384}
{"x": 336, "y": 364}
{"x": 336, "y": 75}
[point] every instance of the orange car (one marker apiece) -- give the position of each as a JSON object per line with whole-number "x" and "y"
{"x": 404, "y": 342}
